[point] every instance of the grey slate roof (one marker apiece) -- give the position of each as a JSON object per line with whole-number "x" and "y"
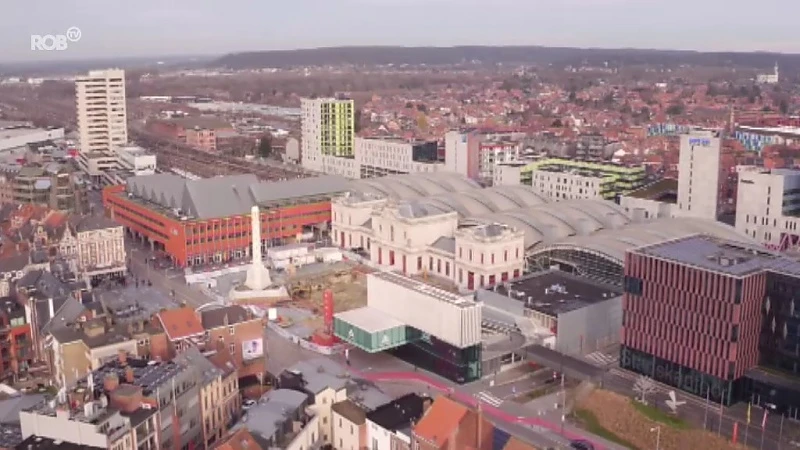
{"x": 14, "y": 263}
{"x": 226, "y": 196}
{"x": 192, "y": 357}
{"x": 272, "y": 411}
{"x": 90, "y": 223}
{"x": 220, "y": 317}
{"x": 445, "y": 244}
{"x": 10, "y": 407}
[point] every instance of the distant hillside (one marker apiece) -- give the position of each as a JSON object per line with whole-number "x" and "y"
{"x": 38, "y": 68}
{"x": 493, "y": 55}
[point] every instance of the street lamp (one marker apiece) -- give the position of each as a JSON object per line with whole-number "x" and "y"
{"x": 657, "y": 431}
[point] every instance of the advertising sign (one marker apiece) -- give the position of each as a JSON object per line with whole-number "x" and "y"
{"x": 253, "y": 349}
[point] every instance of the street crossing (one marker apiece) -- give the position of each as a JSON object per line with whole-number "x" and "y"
{"x": 602, "y": 359}
{"x": 489, "y": 398}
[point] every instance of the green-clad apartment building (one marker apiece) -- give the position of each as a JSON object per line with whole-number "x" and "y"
{"x": 327, "y": 130}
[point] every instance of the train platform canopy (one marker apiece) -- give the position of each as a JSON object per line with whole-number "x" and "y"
{"x": 371, "y": 330}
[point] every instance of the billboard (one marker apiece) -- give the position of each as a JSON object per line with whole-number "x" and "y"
{"x": 252, "y": 349}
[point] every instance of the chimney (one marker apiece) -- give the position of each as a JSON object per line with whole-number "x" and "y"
{"x": 123, "y": 357}
{"x": 51, "y": 307}
{"x": 129, "y": 378}
{"x": 110, "y": 382}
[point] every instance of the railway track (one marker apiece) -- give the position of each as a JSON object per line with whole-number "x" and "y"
{"x": 28, "y": 105}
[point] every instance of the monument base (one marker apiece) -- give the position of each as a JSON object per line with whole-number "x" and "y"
{"x": 270, "y": 293}
{"x": 258, "y": 278}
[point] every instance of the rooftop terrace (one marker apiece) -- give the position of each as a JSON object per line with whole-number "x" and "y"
{"x": 554, "y": 292}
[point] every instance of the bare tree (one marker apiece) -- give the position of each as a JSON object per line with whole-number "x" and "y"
{"x": 644, "y": 386}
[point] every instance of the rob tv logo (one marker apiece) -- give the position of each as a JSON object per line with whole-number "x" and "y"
{"x": 57, "y": 42}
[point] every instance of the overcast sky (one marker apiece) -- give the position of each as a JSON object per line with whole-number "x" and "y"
{"x": 129, "y": 28}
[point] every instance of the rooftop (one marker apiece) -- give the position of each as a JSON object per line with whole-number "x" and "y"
{"x": 148, "y": 375}
{"x": 350, "y": 411}
{"x": 728, "y": 257}
{"x": 664, "y": 190}
{"x": 180, "y": 323}
{"x": 226, "y": 196}
{"x": 42, "y": 443}
{"x": 441, "y": 420}
{"x": 398, "y": 413}
{"x": 555, "y": 292}
{"x": 369, "y": 319}
{"x": 424, "y": 288}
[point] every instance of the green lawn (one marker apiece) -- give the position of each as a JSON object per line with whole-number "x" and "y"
{"x": 658, "y": 415}
{"x": 592, "y": 425}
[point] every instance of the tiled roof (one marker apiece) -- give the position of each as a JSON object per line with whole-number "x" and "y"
{"x": 440, "y": 421}
{"x": 180, "y": 323}
{"x": 240, "y": 440}
{"x": 225, "y": 316}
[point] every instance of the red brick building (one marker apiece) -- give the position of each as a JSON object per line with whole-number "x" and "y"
{"x": 16, "y": 350}
{"x": 208, "y": 220}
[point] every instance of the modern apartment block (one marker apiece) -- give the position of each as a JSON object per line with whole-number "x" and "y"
{"x": 462, "y": 153}
{"x": 705, "y": 315}
{"x": 775, "y": 224}
{"x": 567, "y": 179}
{"x": 101, "y": 110}
{"x": 494, "y": 153}
{"x": 53, "y": 185}
{"x": 327, "y": 130}
{"x": 699, "y": 175}
{"x": 382, "y": 157}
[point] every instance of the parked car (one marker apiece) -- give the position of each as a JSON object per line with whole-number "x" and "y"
{"x": 247, "y": 404}
{"x": 580, "y": 444}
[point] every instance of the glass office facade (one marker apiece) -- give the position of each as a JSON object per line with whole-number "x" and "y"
{"x": 461, "y": 365}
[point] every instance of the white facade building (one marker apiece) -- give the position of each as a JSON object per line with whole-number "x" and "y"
{"x": 769, "y": 78}
{"x": 136, "y": 160}
{"x": 381, "y": 157}
{"x": 566, "y": 185}
{"x": 493, "y": 154}
{"x": 450, "y": 317}
{"x": 13, "y": 138}
{"x": 768, "y": 206}
{"x": 462, "y": 153}
{"x": 699, "y": 175}
{"x": 101, "y": 110}
{"x": 100, "y": 246}
{"x": 411, "y": 240}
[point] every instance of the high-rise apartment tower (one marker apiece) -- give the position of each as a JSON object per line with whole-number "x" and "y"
{"x": 101, "y": 111}
{"x": 327, "y": 129}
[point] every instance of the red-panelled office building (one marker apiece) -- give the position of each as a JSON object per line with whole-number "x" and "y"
{"x": 693, "y": 314}
{"x": 207, "y": 221}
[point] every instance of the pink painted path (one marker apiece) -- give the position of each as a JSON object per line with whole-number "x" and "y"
{"x": 470, "y": 400}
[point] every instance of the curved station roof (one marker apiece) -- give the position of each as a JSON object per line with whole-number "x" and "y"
{"x": 613, "y": 243}
{"x": 594, "y": 225}
{"x": 407, "y": 187}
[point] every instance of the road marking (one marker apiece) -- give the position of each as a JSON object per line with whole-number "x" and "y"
{"x": 487, "y": 397}
{"x": 604, "y": 359}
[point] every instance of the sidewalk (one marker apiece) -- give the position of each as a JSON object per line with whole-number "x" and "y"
{"x": 509, "y": 412}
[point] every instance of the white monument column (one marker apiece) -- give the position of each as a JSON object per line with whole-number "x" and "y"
{"x": 257, "y": 275}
